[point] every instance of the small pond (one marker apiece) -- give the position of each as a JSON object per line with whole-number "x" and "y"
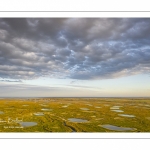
{"x": 115, "y": 107}
{"x": 84, "y": 108}
{"x": 39, "y": 114}
{"x": 65, "y": 106}
{"x": 77, "y": 120}
{"x": 46, "y": 109}
{"x": 116, "y": 128}
{"x": 117, "y": 110}
{"x": 126, "y": 115}
{"x": 28, "y": 124}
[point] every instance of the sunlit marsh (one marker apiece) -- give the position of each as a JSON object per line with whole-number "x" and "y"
{"x": 75, "y": 115}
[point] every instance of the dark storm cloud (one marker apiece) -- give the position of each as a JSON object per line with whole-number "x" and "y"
{"x": 77, "y": 48}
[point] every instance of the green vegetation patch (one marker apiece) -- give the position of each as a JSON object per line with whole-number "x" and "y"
{"x": 75, "y": 115}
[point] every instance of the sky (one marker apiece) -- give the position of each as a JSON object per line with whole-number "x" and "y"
{"x": 74, "y": 57}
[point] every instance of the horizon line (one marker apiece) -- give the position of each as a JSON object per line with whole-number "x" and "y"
{"x": 77, "y": 97}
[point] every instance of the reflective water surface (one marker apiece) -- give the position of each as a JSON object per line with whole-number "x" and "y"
{"x": 84, "y": 108}
{"x": 39, "y": 114}
{"x": 126, "y": 115}
{"x": 115, "y": 107}
{"x": 28, "y": 124}
{"x": 46, "y": 109}
{"x": 77, "y": 120}
{"x": 116, "y": 128}
{"x": 65, "y": 106}
{"x": 117, "y": 110}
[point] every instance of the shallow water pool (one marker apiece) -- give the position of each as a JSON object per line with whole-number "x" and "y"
{"x": 116, "y": 128}
{"x": 77, "y": 120}
{"x": 65, "y": 106}
{"x": 28, "y": 124}
{"x": 46, "y": 109}
{"x": 117, "y": 110}
{"x": 126, "y": 115}
{"x": 39, "y": 114}
{"x": 115, "y": 107}
{"x": 84, "y": 108}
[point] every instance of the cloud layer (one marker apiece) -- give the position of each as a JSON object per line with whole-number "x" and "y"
{"x": 77, "y": 48}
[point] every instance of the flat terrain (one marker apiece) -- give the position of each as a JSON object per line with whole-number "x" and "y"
{"x": 75, "y": 115}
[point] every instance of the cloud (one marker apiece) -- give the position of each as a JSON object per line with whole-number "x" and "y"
{"x": 83, "y": 86}
{"x": 76, "y": 48}
{"x": 18, "y": 87}
{"x": 72, "y": 82}
{"x": 10, "y": 80}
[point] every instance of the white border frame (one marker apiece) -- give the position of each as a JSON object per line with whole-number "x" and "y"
{"x": 74, "y": 14}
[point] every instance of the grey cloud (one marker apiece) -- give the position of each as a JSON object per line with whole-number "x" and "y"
{"x": 72, "y": 82}
{"x": 77, "y": 48}
{"x": 26, "y": 87}
{"x": 10, "y": 81}
{"x": 23, "y": 90}
{"x": 83, "y": 86}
